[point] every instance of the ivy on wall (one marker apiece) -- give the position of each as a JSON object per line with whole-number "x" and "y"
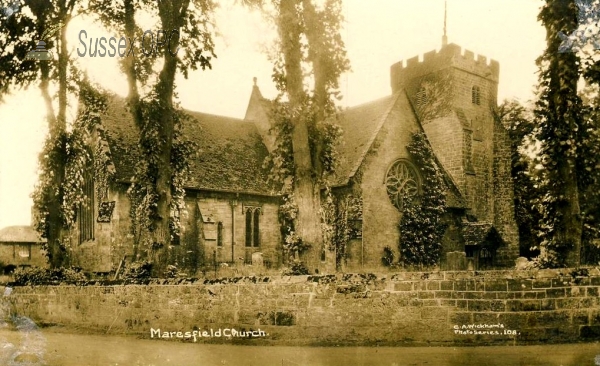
{"x": 142, "y": 191}
{"x": 421, "y": 226}
{"x": 281, "y": 168}
{"x": 81, "y": 150}
{"x": 341, "y": 216}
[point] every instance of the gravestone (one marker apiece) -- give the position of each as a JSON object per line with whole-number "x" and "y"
{"x": 456, "y": 261}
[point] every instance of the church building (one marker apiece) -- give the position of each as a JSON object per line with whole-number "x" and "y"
{"x": 231, "y": 212}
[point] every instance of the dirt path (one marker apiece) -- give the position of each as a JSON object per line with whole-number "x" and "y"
{"x": 46, "y": 347}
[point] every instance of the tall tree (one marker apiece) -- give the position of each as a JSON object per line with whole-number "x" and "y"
{"x": 183, "y": 42}
{"x": 311, "y": 52}
{"x": 558, "y": 115}
{"x": 47, "y": 22}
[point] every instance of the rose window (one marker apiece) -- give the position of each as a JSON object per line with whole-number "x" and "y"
{"x": 402, "y": 183}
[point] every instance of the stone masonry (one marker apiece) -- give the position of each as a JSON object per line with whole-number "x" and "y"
{"x": 478, "y": 308}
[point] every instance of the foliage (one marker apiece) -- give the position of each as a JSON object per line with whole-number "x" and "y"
{"x": 19, "y": 34}
{"x": 43, "y": 276}
{"x": 556, "y": 152}
{"x": 338, "y": 213}
{"x": 564, "y": 134}
{"x": 70, "y": 152}
{"x": 172, "y": 271}
{"x": 80, "y": 158}
{"x": 51, "y": 160}
{"x": 281, "y": 169}
{"x": 297, "y": 268}
{"x": 306, "y": 135}
{"x": 421, "y": 226}
{"x": 388, "y": 257}
{"x": 143, "y": 193}
{"x": 137, "y": 272}
{"x": 157, "y": 190}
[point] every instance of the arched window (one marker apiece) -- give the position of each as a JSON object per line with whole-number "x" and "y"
{"x": 252, "y": 226}
{"x": 476, "y": 95}
{"x": 256, "y": 229}
{"x": 86, "y": 209}
{"x": 219, "y": 234}
{"x": 248, "y": 228}
{"x": 402, "y": 183}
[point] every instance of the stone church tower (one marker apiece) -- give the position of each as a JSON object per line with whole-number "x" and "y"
{"x": 454, "y": 96}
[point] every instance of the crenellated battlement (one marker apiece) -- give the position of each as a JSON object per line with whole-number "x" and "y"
{"x": 451, "y": 55}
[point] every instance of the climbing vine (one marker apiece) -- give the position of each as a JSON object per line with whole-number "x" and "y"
{"x": 309, "y": 59}
{"x": 50, "y": 161}
{"x": 281, "y": 175}
{"x": 342, "y": 221}
{"x": 421, "y": 226}
{"x": 142, "y": 191}
{"x": 281, "y": 168}
{"x": 81, "y": 150}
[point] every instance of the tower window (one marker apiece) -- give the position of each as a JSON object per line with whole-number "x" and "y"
{"x": 476, "y": 95}
{"x": 421, "y": 97}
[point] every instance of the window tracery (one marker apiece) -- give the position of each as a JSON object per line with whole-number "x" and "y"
{"x": 402, "y": 183}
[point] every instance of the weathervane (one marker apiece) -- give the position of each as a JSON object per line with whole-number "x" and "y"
{"x": 445, "y": 37}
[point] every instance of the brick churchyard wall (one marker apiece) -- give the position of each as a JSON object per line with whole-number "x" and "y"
{"x": 516, "y": 307}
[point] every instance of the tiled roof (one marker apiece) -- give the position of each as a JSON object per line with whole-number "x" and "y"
{"x": 360, "y": 126}
{"x": 230, "y": 157}
{"x": 20, "y": 234}
{"x": 476, "y": 233}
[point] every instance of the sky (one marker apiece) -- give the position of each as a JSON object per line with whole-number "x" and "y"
{"x": 377, "y": 34}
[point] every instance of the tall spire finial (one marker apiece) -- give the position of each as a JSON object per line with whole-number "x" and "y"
{"x": 445, "y": 37}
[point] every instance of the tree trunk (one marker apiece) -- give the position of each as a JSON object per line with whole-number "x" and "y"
{"x": 307, "y": 195}
{"x": 308, "y": 222}
{"x": 570, "y": 231}
{"x": 133, "y": 97}
{"x": 162, "y": 233}
{"x": 57, "y": 254}
{"x": 563, "y": 122}
{"x": 129, "y": 65}
{"x": 57, "y": 128}
{"x": 171, "y": 14}
{"x": 315, "y": 33}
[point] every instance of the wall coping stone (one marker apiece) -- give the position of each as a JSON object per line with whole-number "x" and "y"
{"x": 368, "y": 278}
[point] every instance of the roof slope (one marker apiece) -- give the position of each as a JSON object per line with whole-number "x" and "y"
{"x": 360, "y": 125}
{"x": 20, "y": 234}
{"x": 476, "y": 233}
{"x": 230, "y": 157}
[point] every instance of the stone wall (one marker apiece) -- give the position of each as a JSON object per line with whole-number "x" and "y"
{"x": 380, "y": 216}
{"x": 494, "y": 307}
{"x": 198, "y": 243}
{"x": 22, "y": 254}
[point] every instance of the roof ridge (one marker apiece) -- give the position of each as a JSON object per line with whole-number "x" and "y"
{"x": 378, "y": 100}
{"x": 216, "y": 115}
